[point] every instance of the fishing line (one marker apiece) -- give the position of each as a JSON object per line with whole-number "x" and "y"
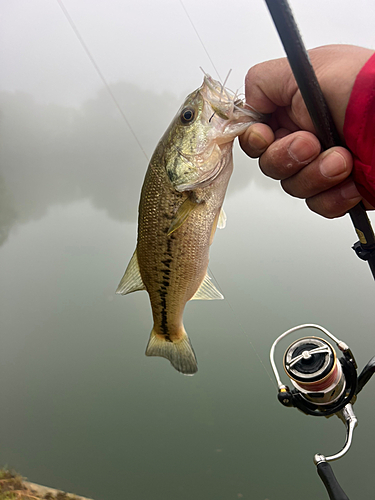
{"x": 242, "y": 328}
{"x": 97, "y": 69}
{"x": 199, "y": 38}
{"x": 101, "y": 76}
{"x": 210, "y": 270}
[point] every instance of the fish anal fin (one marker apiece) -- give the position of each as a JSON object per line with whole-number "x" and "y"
{"x": 207, "y": 291}
{"x": 132, "y": 280}
{"x": 183, "y": 212}
{"x": 180, "y": 353}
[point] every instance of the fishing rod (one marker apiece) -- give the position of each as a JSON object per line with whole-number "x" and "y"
{"x": 319, "y": 112}
{"x": 323, "y": 385}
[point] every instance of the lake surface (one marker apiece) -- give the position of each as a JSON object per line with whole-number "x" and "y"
{"x": 82, "y": 408}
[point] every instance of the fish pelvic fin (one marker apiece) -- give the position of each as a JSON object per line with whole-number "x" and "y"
{"x": 222, "y": 222}
{"x": 180, "y": 353}
{"x": 219, "y": 222}
{"x": 132, "y": 280}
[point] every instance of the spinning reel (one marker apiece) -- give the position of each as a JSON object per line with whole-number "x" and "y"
{"x": 323, "y": 385}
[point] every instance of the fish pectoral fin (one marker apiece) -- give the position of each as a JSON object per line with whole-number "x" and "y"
{"x": 180, "y": 353}
{"x": 207, "y": 291}
{"x": 132, "y": 280}
{"x": 222, "y": 222}
{"x": 183, "y": 212}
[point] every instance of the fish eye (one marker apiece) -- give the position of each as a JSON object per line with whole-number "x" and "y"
{"x": 187, "y": 115}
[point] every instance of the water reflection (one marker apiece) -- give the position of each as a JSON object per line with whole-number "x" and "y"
{"x": 8, "y": 214}
{"x": 84, "y": 410}
{"x": 51, "y": 154}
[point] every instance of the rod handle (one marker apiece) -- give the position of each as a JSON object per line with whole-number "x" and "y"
{"x": 333, "y": 488}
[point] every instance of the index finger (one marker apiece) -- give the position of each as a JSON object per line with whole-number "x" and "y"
{"x": 270, "y": 85}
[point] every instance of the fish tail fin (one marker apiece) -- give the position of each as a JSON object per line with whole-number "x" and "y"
{"x": 180, "y": 352}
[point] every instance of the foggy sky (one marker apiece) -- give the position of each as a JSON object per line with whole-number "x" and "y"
{"x": 54, "y": 154}
{"x": 62, "y": 137}
{"x": 153, "y": 44}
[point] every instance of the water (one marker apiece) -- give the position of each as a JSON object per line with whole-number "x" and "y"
{"x": 82, "y": 408}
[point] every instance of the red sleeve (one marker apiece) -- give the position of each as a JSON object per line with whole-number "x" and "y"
{"x": 359, "y": 130}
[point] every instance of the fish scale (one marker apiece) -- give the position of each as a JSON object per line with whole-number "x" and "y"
{"x": 184, "y": 253}
{"x": 179, "y": 210}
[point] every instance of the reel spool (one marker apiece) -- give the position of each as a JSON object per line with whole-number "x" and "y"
{"x": 322, "y": 383}
{"x": 312, "y": 366}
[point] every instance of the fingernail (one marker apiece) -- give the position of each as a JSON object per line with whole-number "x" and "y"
{"x": 333, "y": 164}
{"x": 257, "y": 141}
{"x": 349, "y": 191}
{"x": 301, "y": 149}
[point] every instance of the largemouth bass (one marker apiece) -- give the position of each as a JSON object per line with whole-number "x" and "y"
{"x": 179, "y": 210}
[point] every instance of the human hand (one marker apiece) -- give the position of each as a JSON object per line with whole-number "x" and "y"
{"x": 287, "y": 146}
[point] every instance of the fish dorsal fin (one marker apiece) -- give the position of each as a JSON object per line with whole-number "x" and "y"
{"x": 183, "y": 212}
{"x": 132, "y": 280}
{"x": 222, "y": 222}
{"x": 207, "y": 291}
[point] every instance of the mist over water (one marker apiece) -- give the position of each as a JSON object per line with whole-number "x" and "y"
{"x": 82, "y": 408}
{"x": 53, "y": 154}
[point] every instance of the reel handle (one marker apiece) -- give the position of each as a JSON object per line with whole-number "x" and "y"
{"x": 333, "y": 488}
{"x": 366, "y": 374}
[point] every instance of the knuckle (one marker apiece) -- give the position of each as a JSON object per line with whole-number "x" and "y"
{"x": 270, "y": 166}
{"x": 329, "y": 205}
{"x": 297, "y": 186}
{"x": 288, "y": 188}
{"x": 277, "y": 163}
{"x": 253, "y": 73}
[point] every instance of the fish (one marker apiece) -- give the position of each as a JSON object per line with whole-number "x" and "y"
{"x": 179, "y": 210}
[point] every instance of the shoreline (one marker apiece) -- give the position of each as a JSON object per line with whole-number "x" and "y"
{"x": 12, "y": 483}
{"x": 42, "y": 491}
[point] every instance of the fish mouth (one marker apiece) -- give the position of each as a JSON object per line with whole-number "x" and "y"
{"x": 222, "y": 116}
{"x": 227, "y": 104}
